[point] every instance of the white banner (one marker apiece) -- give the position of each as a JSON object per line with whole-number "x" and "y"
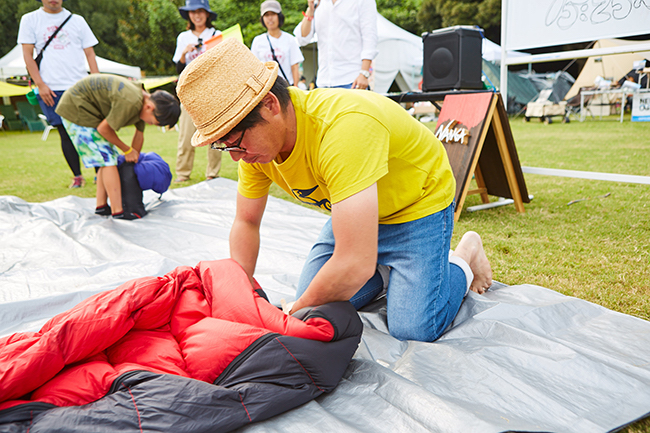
{"x": 545, "y": 23}
{"x": 641, "y": 107}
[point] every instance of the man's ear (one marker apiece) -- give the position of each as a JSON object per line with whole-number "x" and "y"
{"x": 272, "y": 103}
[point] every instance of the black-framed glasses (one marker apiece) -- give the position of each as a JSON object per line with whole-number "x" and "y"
{"x": 222, "y": 144}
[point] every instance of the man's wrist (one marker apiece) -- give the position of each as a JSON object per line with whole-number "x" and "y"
{"x": 364, "y": 73}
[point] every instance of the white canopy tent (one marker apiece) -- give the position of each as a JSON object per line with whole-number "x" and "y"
{"x": 399, "y": 59}
{"x": 492, "y": 52}
{"x": 612, "y": 67}
{"x": 12, "y": 64}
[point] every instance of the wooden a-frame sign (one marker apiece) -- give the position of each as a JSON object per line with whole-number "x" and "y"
{"x": 475, "y": 131}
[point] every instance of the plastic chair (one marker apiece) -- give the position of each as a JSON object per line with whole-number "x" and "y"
{"x": 48, "y": 127}
{"x": 29, "y": 117}
{"x": 10, "y": 119}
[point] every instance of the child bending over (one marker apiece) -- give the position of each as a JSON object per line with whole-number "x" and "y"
{"x": 93, "y": 110}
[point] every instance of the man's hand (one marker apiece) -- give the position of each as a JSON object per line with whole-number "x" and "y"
{"x": 305, "y": 26}
{"x": 47, "y": 94}
{"x": 286, "y": 306}
{"x": 360, "y": 82}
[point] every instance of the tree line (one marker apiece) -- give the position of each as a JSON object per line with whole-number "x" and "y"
{"x": 143, "y": 32}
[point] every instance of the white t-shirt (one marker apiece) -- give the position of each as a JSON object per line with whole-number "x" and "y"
{"x": 347, "y": 34}
{"x": 64, "y": 61}
{"x": 187, "y": 37}
{"x": 286, "y": 50}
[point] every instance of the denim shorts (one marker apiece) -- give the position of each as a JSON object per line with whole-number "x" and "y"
{"x": 94, "y": 150}
{"x": 425, "y": 290}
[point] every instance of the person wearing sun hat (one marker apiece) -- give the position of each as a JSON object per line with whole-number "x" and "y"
{"x": 193, "y": 5}
{"x": 276, "y": 45}
{"x": 383, "y": 175}
{"x": 189, "y": 45}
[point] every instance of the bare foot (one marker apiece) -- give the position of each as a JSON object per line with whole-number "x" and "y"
{"x": 470, "y": 249}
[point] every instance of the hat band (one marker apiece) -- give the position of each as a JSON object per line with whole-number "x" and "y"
{"x": 253, "y": 83}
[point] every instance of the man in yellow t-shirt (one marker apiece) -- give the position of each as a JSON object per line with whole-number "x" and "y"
{"x": 384, "y": 176}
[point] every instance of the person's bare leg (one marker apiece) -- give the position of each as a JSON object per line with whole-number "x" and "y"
{"x": 101, "y": 196}
{"x": 470, "y": 249}
{"x": 111, "y": 180}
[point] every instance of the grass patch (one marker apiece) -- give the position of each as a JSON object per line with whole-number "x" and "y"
{"x": 597, "y": 249}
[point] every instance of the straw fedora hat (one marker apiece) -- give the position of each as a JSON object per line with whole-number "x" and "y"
{"x": 221, "y": 86}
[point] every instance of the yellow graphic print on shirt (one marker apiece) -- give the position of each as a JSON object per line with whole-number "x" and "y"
{"x": 303, "y": 195}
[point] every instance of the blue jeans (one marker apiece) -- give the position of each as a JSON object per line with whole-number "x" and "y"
{"x": 52, "y": 118}
{"x": 424, "y": 291}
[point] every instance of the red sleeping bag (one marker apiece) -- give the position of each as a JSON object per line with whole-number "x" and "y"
{"x": 202, "y": 335}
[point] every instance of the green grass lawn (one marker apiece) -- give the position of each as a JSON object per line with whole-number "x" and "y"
{"x": 596, "y": 249}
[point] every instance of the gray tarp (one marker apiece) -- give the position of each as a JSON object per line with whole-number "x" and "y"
{"x": 520, "y": 358}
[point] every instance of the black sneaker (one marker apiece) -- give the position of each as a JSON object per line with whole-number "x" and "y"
{"x": 126, "y": 216}
{"x": 103, "y": 210}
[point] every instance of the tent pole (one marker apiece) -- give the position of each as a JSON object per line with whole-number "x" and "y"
{"x": 503, "y": 85}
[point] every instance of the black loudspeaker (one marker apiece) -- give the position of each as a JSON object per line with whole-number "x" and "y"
{"x": 452, "y": 59}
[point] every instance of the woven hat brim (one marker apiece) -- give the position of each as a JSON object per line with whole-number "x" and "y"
{"x": 198, "y": 139}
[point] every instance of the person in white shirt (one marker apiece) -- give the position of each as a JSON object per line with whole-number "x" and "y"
{"x": 62, "y": 65}
{"x": 276, "y": 45}
{"x": 347, "y": 40}
{"x": 190, "y": 45}
{"x": 302, "y": 83}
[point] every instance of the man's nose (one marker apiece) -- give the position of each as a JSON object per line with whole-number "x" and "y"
{"x": 236, "y": 156}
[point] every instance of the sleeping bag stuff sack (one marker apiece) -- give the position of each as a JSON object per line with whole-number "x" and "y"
{"x": 197, "y": 350}
{"x": 151, "y": 171}
{"x": 131, "y": 191}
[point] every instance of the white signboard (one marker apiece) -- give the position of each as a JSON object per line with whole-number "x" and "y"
{"x": 641, "y": 107}
{"x": 545, "y": 23}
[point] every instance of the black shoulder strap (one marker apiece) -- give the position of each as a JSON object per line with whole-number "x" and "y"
{"x": 275, "y": 58}
{"x": 54, "y": 34}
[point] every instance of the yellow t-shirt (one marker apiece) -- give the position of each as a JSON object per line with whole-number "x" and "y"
{"x": 348, "y": 140}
